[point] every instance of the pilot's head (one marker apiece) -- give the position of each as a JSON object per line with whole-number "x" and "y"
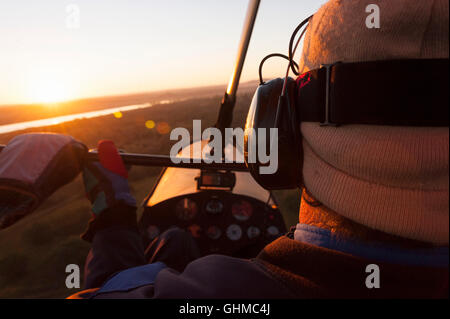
{"x": 385, "y": 178}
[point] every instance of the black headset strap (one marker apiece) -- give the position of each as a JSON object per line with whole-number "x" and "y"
{"x": 392, "y": 92}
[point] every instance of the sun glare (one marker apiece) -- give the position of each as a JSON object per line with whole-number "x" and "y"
{"x": 48, "y": 88}
{"x": 49, "y": 91}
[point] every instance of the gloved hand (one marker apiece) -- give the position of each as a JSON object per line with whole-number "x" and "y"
{"x": 106, "y": 185}
{"x": 32, "y": 167}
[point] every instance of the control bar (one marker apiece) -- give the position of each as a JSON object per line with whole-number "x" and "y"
{"x": 166, "y": 161}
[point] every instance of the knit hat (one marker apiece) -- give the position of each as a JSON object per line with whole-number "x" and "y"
{"x": 393, "y": 179}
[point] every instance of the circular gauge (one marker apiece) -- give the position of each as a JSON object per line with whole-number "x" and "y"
{"x": 195, "y": 230}
{"x": 213, "y": 232}
{"x": 253, "y": 232}
{"x": 234, "y": 232}
{"x": 214, "y": 206}
{"x": 152, "y": 231}
{"x": 186, "y": 209}
{"x": 273, "y": 231}
{"x": 242, "y": 210}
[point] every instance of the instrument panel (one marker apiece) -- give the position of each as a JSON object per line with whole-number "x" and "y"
{"x": 221, "y": 222}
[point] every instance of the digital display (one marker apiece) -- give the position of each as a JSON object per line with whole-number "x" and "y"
{"x": 216, "y": 180}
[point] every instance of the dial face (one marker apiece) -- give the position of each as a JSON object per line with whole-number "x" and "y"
{"x": 234, "y": 232}
{"x": 242, "y": 210}
{"x": 213, "y": 232}
{"x": 214, "y": 206}
{"x": 195, "y": 230}
{"x": 273, "y": 231}
{"x": 253, "y": 232}
{"x": 186, "y": 209}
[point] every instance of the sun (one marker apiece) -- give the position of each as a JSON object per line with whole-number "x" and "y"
{"x": 49, "y": 91}
{"x": 48, "y": 88}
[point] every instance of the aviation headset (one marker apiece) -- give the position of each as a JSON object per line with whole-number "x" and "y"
{"x": 407, "y": 92}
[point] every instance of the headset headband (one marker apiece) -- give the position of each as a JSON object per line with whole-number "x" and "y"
{"x": 393, "y": 92}
{"x": 402, "y": 92}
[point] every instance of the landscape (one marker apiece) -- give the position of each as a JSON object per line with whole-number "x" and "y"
{"x": 35, "y": 251}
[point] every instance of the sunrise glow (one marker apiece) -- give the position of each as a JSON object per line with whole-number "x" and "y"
{"x": 54, "y": 51}
{"x": 48, "y": 89}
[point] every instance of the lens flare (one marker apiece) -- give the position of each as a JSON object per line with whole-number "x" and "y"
{"x": 163, "y": 128}
{"x": 150, "y": 124}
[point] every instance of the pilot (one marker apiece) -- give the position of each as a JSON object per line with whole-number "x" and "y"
{"x": 374, "y": 214}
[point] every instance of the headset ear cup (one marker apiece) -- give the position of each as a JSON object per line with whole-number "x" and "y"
{"x": 271, "y": 110}
{"x": 289, "y": 171}
{"x": 296, "y": 138}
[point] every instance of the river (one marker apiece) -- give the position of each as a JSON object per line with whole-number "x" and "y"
{"x": 66, "y": 118}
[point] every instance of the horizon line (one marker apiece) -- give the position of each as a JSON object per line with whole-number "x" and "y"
{"x": 123, "y": 94}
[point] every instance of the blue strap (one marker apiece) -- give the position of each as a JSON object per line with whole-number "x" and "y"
{"x": 132, "y": 278}
{"x": 429, "y": 257}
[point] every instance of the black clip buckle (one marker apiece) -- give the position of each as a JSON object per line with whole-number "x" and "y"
{"x": 327, "y": 121}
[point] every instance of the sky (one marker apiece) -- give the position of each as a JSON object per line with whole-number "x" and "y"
{"x": 52, "y": 50}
